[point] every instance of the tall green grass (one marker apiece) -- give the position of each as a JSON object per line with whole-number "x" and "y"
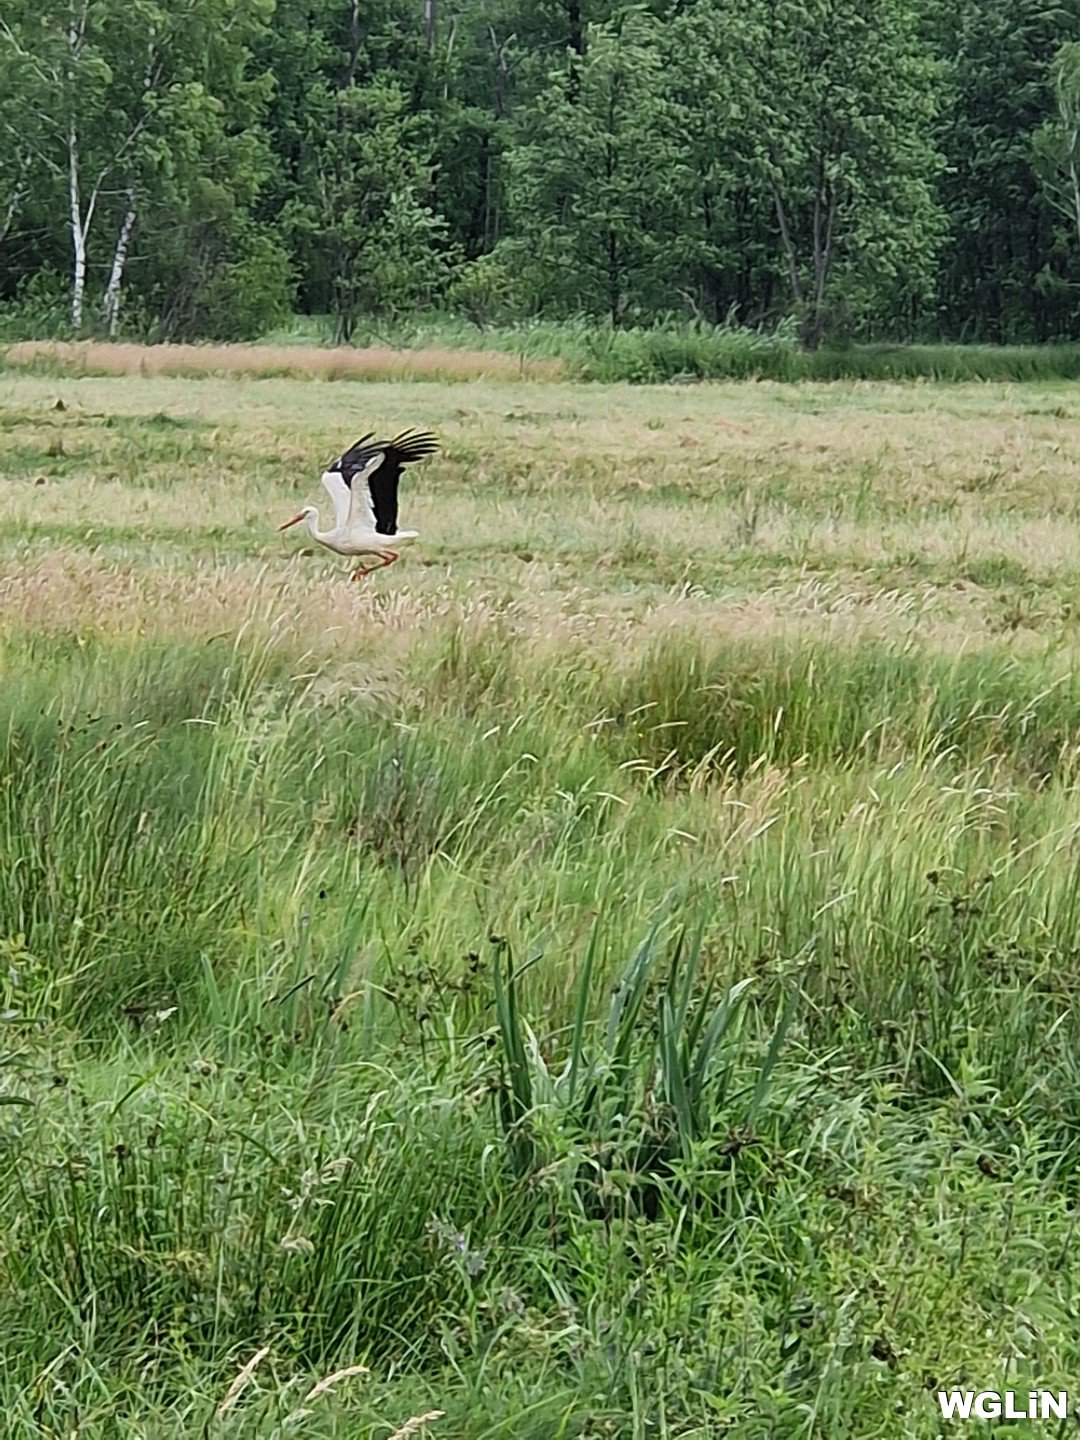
{"x": 692, "y": 350}
{"x": 682, "y": 1044}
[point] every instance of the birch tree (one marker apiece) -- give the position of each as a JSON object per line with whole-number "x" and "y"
{"x": 85, "y": 129}
{"x": 126, "y": 114}
{"x": 184, "y": 107}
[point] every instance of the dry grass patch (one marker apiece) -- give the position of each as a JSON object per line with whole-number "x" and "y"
{"x": 306, "y": 611}
{"x": 299, "y": 362}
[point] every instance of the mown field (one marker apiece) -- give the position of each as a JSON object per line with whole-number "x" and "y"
{"x": 613, "y": 974}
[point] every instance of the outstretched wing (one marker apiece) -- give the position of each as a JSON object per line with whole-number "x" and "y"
{"x": 371, "y": 469}
{"x": 356, "y": 458}
{"x": 335, "y": 486}
{"x": 404, "y": 449}
{"x": 355, "y": 503}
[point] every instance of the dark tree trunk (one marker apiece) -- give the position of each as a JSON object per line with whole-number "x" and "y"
{"x": 576, "y": 41}
{"x": 577, "y": 29}
{"x": 356, "y": 39}
{"x": 614, "y": 297}
{"x": 789, "y": 246}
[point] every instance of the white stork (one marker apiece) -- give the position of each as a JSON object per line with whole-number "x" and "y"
{"x": 363, "y": 485}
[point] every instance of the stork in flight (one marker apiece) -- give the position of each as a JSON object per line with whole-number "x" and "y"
{"x": 363, "y": 486}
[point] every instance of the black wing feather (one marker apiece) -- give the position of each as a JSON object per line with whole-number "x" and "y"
{"x": 355, "y": 458}
{"x": 404, "y": 449}
{"x": 382, "y": 486}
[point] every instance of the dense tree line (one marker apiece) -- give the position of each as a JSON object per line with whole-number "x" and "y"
{"x": 190, "y": 168}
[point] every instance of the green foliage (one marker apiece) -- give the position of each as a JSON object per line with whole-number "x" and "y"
{"x": 40, "y": 309}
{"x": 141, "y": 115}
{"x": 664, "y": 1076}
{"x": 488, "y": 290}
{"x": 682, "y": 352}
{"x": 1003, "y": 228}
{"x": 592, "y": 186}
{"x": 1056, "y": 143}
{"x": 381, "y": 243}
{"x": 852, "y": 162}
{"x": 757, "y": 164}
{"x": 685, "y": 352}
{"x": 672, "y": 351}
{"x": 238, "y": 283}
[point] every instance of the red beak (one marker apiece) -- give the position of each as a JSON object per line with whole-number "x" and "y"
{"x": 294, "y": 521}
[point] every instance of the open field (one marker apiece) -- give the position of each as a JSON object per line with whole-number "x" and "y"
{"x": 327, "y": 1028}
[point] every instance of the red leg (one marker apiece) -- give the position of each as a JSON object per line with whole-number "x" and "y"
{"x": 386, "y": 556}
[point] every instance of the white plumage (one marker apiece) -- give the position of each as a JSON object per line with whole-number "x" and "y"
{"x": 363, "y": 488}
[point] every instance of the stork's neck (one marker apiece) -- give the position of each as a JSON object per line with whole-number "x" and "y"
{"x": 312, "y": 518}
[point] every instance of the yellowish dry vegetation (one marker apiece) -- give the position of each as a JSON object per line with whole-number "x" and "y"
{"x": 152, "y": 505}
{"x": 379, "y": 362}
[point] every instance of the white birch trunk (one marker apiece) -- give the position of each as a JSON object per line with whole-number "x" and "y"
{"x": 79, "y": 226}
{"x": 110, "y": 306}
{"x": 78, "y": 232}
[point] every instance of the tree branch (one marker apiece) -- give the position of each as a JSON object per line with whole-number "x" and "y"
{"x": 356, "y": 40}
{"x": 789, "y": 246}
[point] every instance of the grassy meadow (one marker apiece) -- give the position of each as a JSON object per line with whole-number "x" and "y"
{"x": 612, "y": 974}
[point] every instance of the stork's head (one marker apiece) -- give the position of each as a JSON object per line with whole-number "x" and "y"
{"x": 303, "y": 515}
